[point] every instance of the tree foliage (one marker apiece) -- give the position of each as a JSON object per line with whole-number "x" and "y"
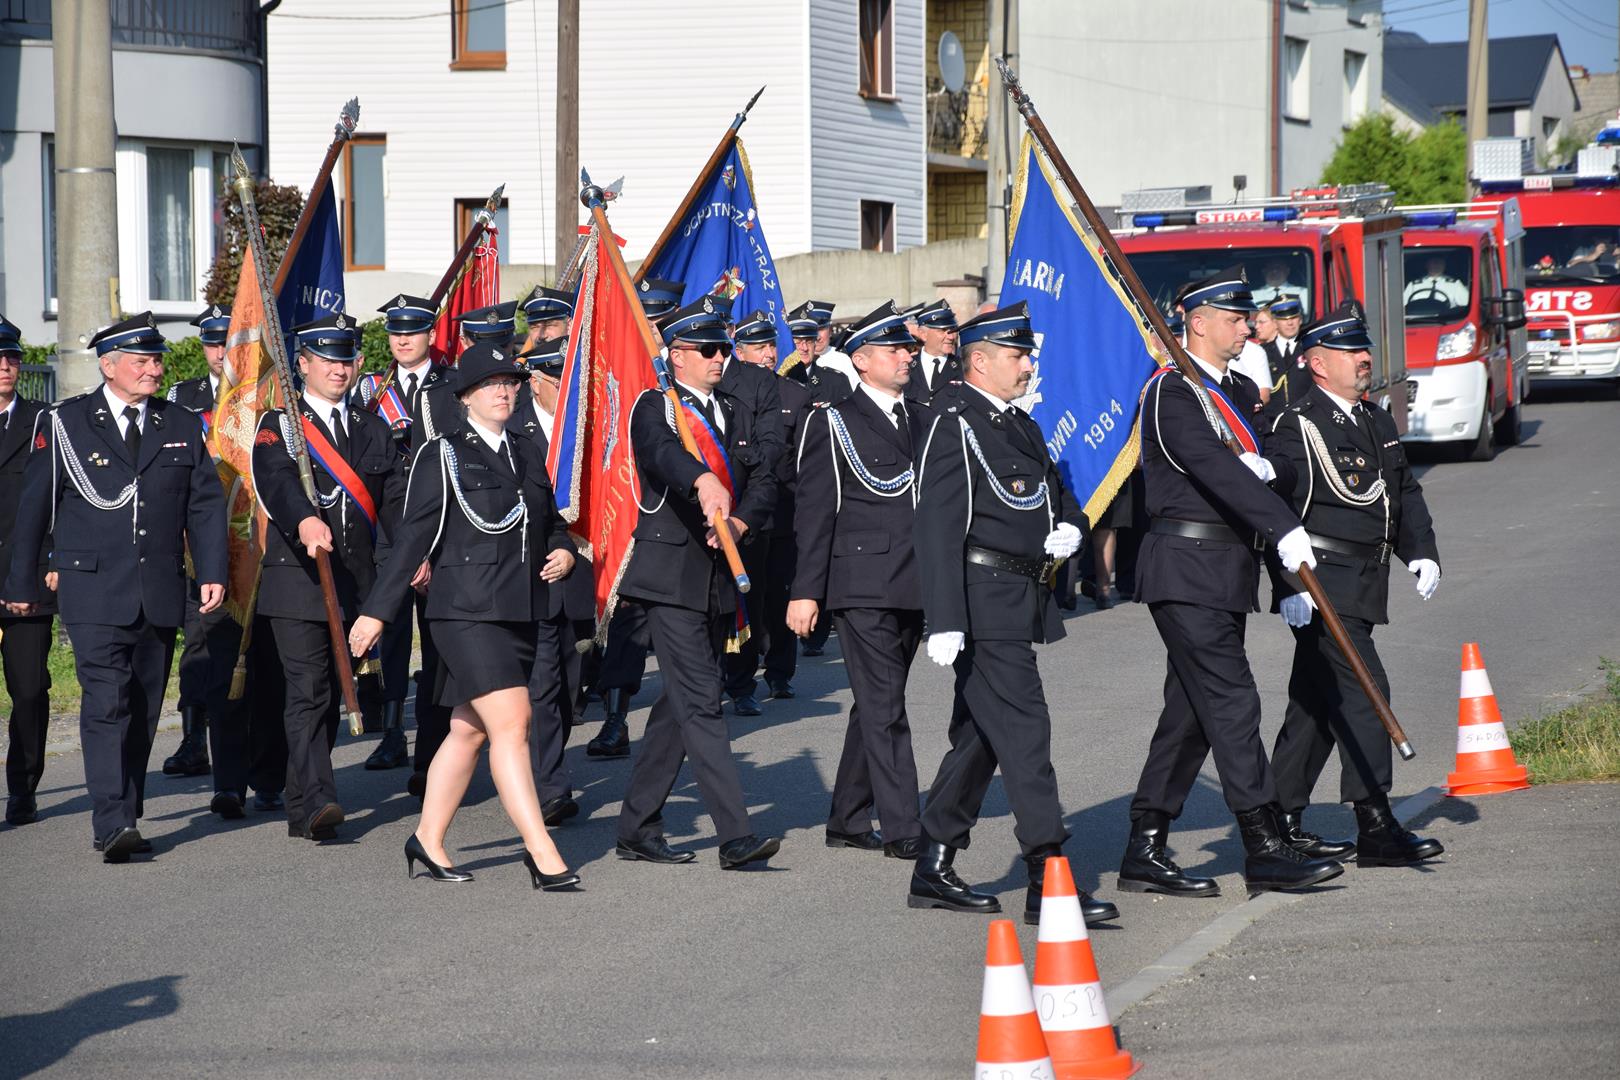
{"x": 279, "y": 206}
{"x": 1430, "y": 167}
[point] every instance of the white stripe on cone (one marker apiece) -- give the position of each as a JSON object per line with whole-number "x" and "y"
{"x": 1013, "y": 1070}
{"x": 1006, "y": 991}
{"x": 1061, "y": 920}
{"x": 1071, "y": 1007}
{"x": 1480, "y": 738}
{"x": 1475, "y": 684}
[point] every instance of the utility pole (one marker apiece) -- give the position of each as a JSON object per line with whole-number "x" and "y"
{"x": 567, "y": 186}
{"x": 1479, "y": 74}
{"x": 1001, "y": 125}
{"x": 85, "y": 186}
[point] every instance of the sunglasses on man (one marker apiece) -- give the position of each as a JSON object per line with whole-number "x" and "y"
{"x": 710, "y": 349}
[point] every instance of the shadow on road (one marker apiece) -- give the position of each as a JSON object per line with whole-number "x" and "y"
{"x": 34, "y": 1041}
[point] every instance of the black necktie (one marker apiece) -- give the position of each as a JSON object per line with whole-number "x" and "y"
{"x": 5, "y": 421}
{"x": 933, "y": 378}
{"x": 340, "y": 438}
{"x": 506, "y": 456}
{"x": 902, "y": 426}
{"x": 1228, "y": 385}
{"x": 132, "y": 432}
{"x": 410, "y": 391}
{"x": 706, "y": 407}
{"x": 1363, "y": 421}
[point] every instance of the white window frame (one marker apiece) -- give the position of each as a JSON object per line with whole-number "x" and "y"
{"x": 1297, "y": 83}
{"x": 134, "y": 285}
{"x": 1355, "y": 92}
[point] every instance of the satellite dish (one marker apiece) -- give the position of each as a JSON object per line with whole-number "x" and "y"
{"x": 952, "y": 71}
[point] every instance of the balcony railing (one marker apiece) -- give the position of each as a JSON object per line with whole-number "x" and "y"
{"x": 220, "y": 26}
{"x": 956, "y": 121}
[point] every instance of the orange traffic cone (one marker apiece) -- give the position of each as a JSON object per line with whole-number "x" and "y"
{"x": 1068, "y": 991}
{"x": 1485, "y": 761}
{"x": 1010, "y": 1042}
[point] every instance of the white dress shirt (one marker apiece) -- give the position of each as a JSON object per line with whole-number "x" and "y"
{"x": 118, "y": 405}
{"x": 709, "y": 401}
{"x": 884, "y": 402}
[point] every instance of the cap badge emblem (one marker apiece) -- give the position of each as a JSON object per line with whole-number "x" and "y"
{"x": 492, "y": 318}
{"x": 708, "y": 306}
{"x": 342, "y": 324}
{"x": 151, "y": 322}
{"x": 217, "y": 313}
{"x": 401, "y": 302}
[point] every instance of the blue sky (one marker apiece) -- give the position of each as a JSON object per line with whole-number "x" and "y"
{"x": 1586, "y": 29}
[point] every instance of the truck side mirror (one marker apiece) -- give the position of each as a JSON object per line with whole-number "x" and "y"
{"x": 1506, "y": 311}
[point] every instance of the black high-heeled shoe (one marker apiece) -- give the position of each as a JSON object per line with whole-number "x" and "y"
{"x": 568, "y": 879}
{"x": 415, "y": 853}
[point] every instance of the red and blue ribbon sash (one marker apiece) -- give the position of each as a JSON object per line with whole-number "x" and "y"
{"x": 713, "y": 451}
{"x": 388, "y": 404}
{"x": 1234, "y": 419}
{"x": 207, "y": 418}
{"x": 341, "y": 472}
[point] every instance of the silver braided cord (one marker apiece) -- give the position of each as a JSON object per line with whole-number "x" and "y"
{"x": 892, "y": 488}
{"x": 1033, "y": 501}
{"x": 81, "y": 480}
{"x": 1375, "y": 491}
{"x": 518, "y": 514}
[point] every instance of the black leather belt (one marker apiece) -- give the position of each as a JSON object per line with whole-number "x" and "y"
{"x": 1036, "y": 569}
{"x": 1378, "y": 553}
{"x": 1204, "y": 530}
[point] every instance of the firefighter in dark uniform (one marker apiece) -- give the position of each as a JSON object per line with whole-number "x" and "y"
{"x": 854, "y": 519}
{"x": 360, "y": 484}
{"x": 1340, "y": 464}
{"x": 397, "y": 395}
{"x": 811, "y": 326}
{"x": 623, "y": 662}
{"x": 756, "y": 338}
{"x": 678, "y": 573}
{"x": 992, "y": 518}
{"x": 196, "y": 674}
{"x": 548, "y": 312}
{"x": 124, "y": 483}
{"x": 25, "y": 641}
{"x": 1198, "y": 572}
{"x": 937, "y": 362}
{"x": 1285, "y": 355}
{"x": 569, "y": 607}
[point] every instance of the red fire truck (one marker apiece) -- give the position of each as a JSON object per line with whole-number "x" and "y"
{"x": 1571, "y": 263}
{"x": 1465, "y": 318}
{"x": 1323, "y": 245}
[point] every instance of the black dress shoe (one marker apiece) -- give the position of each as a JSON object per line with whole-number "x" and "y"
{"x": 656, "y": 850}
{"x": 811, "y": 650}
{"x": 746, "y": 705}
{"x": 392, "y": 751}
{"x": 21, "y": 810}
{"x": 416, "y": 853}
{"x": 323, "y": 824}
{"x": 781, "y": 688}
{"x": 1291, "y": 825}
{"x": 1092, "y": 910}
{"x": 908, "y": 849}
{"x": 1147, "y": 867}
{"x": 1383, "y": 841}
{"x": 120, "y": 844}
{"x": 269, "y": 801}
{"x": 417, "y": 784}
{"x": 228, "y": 805}
{"x": 747, "y": 849}
{"x": 191, "y": 758}
{"x": 1105, "y": 599}
{"x": 934, "y": 884}
{"x": 558, "y": 810}
{"x": 1270, "y": 863}
{"x": 870, "y": 840}
{"x": 613, "y": 741}
{"x": 568, "y": 879}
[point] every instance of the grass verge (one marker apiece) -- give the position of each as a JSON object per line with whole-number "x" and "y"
{"x": 65, "y": 692}
{"x": 1579, "y": 742}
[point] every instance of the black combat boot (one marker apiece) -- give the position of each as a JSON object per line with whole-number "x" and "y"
{"x": 392, "y": 751}
{"x": 1290, "y": 824}
{"x": 191, "y": 759}
{"x": 1271, "y": 862}
{"x": 613, "y": 741}
{"x": 1094, "y": 911}
{"x": 1146, "y": 866}
{"x": 935, "y": 885}
{"x": 1383, "y": 841}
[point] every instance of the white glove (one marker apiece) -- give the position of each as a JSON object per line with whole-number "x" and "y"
{"x": 1428, "y": 576}
{"x": 1063, "y": 541}
{"x": 943, "y": 646}
{"x": 1297, "y": 609}
{"x": 1259, "y": 466}
{"x": 1294, "y": 549}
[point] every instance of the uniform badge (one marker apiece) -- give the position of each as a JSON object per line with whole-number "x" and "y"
{"x": 401, "y": 301}
{"x": 151, "y": 323}
{"x": 1353, "y": 480}
{"x": 342, "y": 323}
{"x": 1361, "y": 463}
{"x": 1018, "y": 487}
{"x": 1338, "y": 418}
{"x": 98, "y": 460}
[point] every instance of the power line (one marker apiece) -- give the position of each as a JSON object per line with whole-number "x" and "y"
{"x": 1582, "y": 20}
{"x": 442, "y": 13}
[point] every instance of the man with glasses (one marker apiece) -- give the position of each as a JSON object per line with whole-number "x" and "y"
{"x": 937, "y": 362}
{"x": 125, "y": 485}
{"x": 25, "y": 641}
{"x": 679, "y": 574}
{"x": 360, "y": 486}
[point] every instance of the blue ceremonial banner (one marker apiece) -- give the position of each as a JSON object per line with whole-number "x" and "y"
{"x": 313, "y": 287}
{"x": 1093, "y": 354}
{"x": 720, "y": 248}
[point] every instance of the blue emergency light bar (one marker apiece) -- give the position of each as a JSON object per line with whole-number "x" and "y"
{"x": 1560, "y": 182}
{"x": 1608, "y": 136}
{"x": 1216, "y": 215}
{"x": 1432, "y": 219}
{"x": 1282, "y": 213}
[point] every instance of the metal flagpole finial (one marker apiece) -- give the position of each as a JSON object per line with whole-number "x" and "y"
{"x": 243, "y": 179}
{"x": 348, "y": 119}
{"x": 747, "y": 109}
{"x": 1014, "y": 87}
{"x": 593, "y": 196}
{"x": 491, "y": 204}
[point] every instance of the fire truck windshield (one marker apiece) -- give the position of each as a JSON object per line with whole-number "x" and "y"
{"x": 1272, "y": 271}
{"x": 1563, "y": 253}
{"x": 1439, "y": 281}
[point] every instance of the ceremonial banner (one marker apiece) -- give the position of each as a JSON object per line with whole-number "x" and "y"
{"x": 1093, "y": 353}
{"x": 720, "y": 248}
{"x": 479, "y": 286}
{"x": 246, "y": 390}
{"x": 605, "y": 369}
{"x": 312, "y": 287}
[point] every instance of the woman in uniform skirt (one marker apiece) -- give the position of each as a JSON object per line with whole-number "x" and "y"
{"x": 480, "y": 509}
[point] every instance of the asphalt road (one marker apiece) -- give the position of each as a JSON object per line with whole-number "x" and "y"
{"x": 234, "y": 949}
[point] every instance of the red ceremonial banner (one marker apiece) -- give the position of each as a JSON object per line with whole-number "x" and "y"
{"x": 479, "y": 287}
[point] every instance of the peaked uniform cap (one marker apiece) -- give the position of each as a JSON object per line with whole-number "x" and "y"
{"x": 1286, "y": 306}
{"x": 542, "y": 304}
{"x": 937, "y": 316}
{"x": 701, "y": 322}
{"x": 802, "y": 321}
{"x": 134, "y": 335}
{"x": 885, "y": 325}
{"x": 756, "y": 328}
{"x": 1227, "y": 290}
{"x": 334, "y": 337}
{"x": 406, "y": 314}
{"x": 212, "y": 324}
{"x": 546, "y": 357}
{"x": 481, "y": 362}
{"x": 1341, "y": 329}
{"x": 492, "y": 323}
{"x": 10, "y": 336}
{"x": 660, "y": 297}
{"x": 1009, "y": 326}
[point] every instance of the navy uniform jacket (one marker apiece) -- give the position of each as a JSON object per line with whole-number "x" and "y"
{"x": 918, "y": 388}
{"x": 1190, "y": 475}
{"x": 957, "y": 506}
{"x": 826, "y": 385}
{"x": 116, "y": 565}
{"x": 195, "y": 394}
{"x": 289, "y": 586}
{"x": 367, "y": 387}
{"x": 438, "y": 411}
{"x": 757, "y": 391}
{"x": 855, "y": 546}
{"x": 576, "y": 597}
{"x": 16, "y": 447}
{"x": 1289, "y": 378}
{"x": 795, "y": 411}
{"x": 671, "y": 562}
{"x": 477, "y": 576}
{"x": 1357, "y": 586}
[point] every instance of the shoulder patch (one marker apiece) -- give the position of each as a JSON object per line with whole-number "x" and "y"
{"x": 39, "y": 440}
{"x": 267, "y": 436}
